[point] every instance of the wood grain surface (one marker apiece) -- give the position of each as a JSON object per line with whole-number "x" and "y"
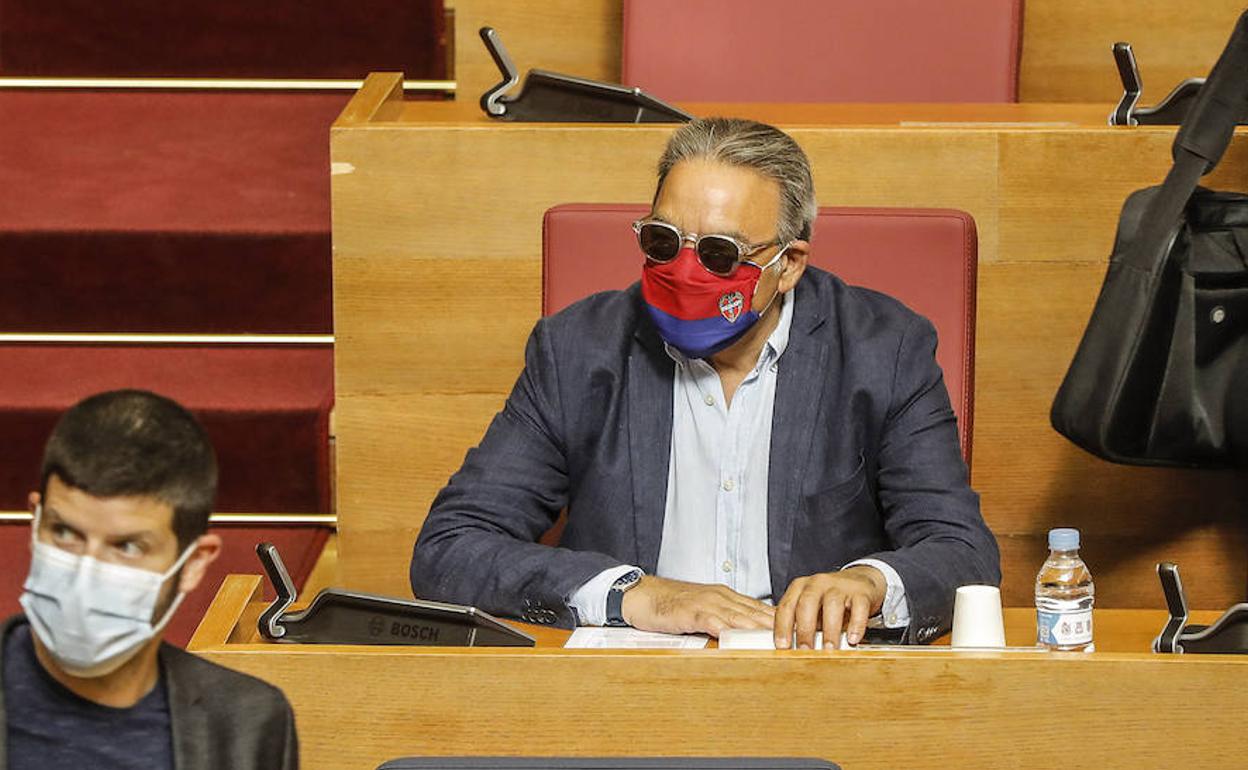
{"x": 359, "y": 706}
{"x": 1067, "y": 45}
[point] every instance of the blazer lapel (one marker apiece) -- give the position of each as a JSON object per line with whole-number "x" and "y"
{"x": 651, "y": 373}
{"x": 5, "y": 627}
{"x": 803, "y": 369}
{"x": 190, "y": 729}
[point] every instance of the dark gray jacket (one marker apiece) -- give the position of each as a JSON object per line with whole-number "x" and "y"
{"x": 865, "y": 462}
{"x": 220, "y": 718}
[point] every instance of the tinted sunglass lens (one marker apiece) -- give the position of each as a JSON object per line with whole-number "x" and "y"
{"x": 659, "y": 243}
{"x": 719, "y": 255}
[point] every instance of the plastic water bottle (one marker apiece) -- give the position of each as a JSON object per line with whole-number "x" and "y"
{"x": 1064, "y": 596}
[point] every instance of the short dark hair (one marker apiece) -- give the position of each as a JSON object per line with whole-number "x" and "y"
{"x": 132, "y": 442}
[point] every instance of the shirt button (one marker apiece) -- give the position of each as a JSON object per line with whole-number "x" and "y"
{"x": 892, "y": 621}
{"x": 709, "y": 399}
{"x": 728, "y": 485}
{"x": 727, "y": 566}
{"x": 775, "y": 367}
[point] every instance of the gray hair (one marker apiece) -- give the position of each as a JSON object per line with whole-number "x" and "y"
{"x": 758, "y": 146}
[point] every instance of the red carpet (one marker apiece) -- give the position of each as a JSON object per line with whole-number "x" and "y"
{"x": 190, "y": 212}
{"x": 265, "y": 408}
{"x": 270, "y": 39}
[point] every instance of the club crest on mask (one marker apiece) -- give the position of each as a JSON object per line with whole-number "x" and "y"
{"x": 730, "y": 306}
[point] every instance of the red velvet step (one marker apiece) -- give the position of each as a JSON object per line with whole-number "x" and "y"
{"x": 300, "y": 546}
{"x": 178, "y": 212}
{"x": 272, "y": 39}
{"x": 266, "y": 409}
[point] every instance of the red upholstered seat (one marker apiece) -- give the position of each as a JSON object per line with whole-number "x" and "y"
{"x": 300, "y": 547}
{"x": 266, "y": 410}
{"x": 927, "y": 258}
{"x": 820, "y": 51}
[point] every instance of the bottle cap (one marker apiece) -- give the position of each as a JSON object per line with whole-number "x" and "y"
{"x": 1063, "y": 539}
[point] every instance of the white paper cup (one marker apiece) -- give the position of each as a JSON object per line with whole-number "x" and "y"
{"x": 977, "y": 617}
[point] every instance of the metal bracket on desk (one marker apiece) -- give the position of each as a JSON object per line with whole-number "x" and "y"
{"x": 1170, "y": 111}
{"x": 1176, "y": 602}
{"x": 552, "y": 97}
{"x": 270, "y": 620}
{"x": 338, "y": 616}
{"x": 1227, "y": 635}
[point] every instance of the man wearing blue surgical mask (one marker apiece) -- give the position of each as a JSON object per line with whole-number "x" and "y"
{"x": 119, "y": 538}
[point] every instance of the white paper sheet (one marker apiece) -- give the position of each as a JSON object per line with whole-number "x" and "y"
{"x": 762, "y": 639}
{"x": 759, "y": 639}
{"x": 593, "y": 638}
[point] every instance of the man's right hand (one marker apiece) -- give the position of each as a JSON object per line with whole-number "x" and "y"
{"x": 675, "y": 607}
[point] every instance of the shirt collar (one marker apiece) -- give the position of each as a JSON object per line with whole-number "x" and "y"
{"x": 779, "y": 339}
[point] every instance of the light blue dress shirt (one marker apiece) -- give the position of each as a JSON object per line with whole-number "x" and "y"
{"x": 715, "y": 519}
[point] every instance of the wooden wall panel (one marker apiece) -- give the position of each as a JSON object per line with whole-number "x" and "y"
{"x": 1061, "y": 191}
{"x": 433, "y": 324}
{"x": 1211, "y": 560}
{"x": 870, "y": 167}
{"x": 1031, "y": 316}
{"x": 437, "y": 244}
{"x": 481, "y": 195}
{"x": 406, "y": 448}
{"x": 575, "y": 37}
{"x": 1066, "y": 45}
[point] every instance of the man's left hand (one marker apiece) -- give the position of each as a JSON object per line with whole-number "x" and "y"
{"x": 829, "y": 601}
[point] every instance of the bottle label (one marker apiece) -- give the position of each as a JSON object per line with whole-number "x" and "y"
{"x": 1064, "y": 629}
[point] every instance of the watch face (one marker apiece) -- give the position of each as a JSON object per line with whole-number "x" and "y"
{"x": 627, "y": 581}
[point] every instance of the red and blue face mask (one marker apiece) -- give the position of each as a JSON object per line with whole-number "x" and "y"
{"x": 696, "y": 312}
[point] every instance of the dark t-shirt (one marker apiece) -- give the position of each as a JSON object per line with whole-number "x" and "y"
{"x": 51, "y": 728}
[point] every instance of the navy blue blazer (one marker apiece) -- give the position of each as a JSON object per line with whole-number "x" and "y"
{"x": 865, "y": 462}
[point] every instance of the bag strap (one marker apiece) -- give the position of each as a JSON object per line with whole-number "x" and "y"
{"x": 1221, "y": 102}
{"x": 1199, "y": 145}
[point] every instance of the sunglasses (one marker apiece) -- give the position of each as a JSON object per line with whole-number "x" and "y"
{"x": 719, "y": 254}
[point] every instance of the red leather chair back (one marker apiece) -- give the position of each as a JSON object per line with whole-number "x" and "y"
{"x": 823, "y": 51}
{"x": 927, "y": 258}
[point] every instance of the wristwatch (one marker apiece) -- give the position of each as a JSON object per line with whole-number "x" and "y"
{"x": 615, "y": 596}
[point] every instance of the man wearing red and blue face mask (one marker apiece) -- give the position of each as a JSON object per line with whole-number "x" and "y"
{"x": 740, "y": 441}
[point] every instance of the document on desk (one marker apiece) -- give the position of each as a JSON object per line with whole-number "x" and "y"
{"x": 593, "y": 638}
{"x": 762, "y": 639}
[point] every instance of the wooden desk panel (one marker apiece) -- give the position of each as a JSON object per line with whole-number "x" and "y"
{"x": 1066, "y": 45}
{"x": 577, "y": 37}
{"x": 357, "y": 706}
{"x": 437, "y": 235}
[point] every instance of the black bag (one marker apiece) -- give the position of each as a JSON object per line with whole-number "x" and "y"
{"x": 1154, "y": 379}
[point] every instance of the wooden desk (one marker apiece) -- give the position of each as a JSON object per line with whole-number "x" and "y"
{"x": 437, "y": 282}
{"x": 1119, "y": 707}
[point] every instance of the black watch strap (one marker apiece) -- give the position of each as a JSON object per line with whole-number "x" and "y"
{"x": 615, "y": 596}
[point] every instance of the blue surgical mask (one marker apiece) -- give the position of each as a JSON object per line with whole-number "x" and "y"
{"x": 90, "y": 615}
